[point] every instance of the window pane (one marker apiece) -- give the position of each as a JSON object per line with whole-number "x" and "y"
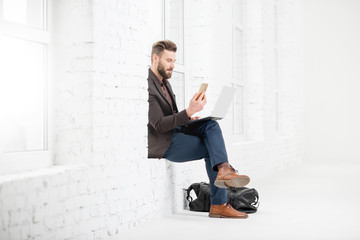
{"x": 239, "y": 111}
{"x": 27, "y": 12}
{"x": 276, "y": 24}
{"x": 237, "y": 13}
{"x": 277, "y": 111}
{"x": 22, "y": 94}
{"x": 238, "y": 55}
{"x": 276, "y": 68}
{"x": 178, "y": 85}
{"x": 174, "y": 26}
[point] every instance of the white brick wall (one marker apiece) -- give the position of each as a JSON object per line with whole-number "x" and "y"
{"x": 105, "y": 183}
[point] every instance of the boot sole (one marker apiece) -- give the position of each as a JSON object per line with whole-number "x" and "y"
{"x": 212, "y": 215}
{"x": 235, "y": 182}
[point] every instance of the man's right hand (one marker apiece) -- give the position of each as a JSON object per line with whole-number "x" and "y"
{"x": 196, "y": 105}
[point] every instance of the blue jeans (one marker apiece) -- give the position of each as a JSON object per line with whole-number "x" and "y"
{"x": 198, "y": 141}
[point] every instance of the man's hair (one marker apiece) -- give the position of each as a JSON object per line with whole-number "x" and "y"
{"x": 159, "y": 47}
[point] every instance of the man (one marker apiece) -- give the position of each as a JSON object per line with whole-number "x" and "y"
{"x": 169, "y": 137}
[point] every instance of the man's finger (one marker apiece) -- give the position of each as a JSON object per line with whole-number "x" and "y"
{"x": 205, "y": 99}
{"x": 201, "y": 96}
{"x": 195, "y": 96}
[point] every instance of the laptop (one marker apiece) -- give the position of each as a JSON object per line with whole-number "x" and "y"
{"x": 221, "y": 107}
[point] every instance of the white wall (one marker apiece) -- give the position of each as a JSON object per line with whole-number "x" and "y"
{"x": 332, "y": 67}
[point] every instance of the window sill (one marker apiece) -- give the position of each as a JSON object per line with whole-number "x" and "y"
{"x": 48, "y": 171}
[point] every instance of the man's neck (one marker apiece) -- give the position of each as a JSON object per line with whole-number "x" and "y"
{"x": 157, "y": 74}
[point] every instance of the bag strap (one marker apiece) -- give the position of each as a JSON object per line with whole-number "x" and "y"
{"x": 191, "y": 187}
{"x": 256, "y": 203}
{"x": 188, "y": 190}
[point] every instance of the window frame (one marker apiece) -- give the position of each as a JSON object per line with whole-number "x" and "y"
{"x": 238, "y": 81}
{"x": 277, "y": 84}
{"x": 12, "y": 162}
{"x": 180, "y": 68}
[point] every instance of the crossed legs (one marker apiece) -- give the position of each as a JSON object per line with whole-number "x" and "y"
{"x": 206, "y": 142}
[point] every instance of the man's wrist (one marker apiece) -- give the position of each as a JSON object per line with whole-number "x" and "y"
{"x": 189, "y": 113}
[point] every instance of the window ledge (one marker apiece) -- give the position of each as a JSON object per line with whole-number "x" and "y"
{"x": 48, "y": 171}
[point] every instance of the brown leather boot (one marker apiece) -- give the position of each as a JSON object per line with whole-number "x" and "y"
{"x": 225, "y": 211}
{"x": 228, "y": 177}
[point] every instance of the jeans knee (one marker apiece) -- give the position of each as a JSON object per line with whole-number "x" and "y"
{"x": 213, "y": 124}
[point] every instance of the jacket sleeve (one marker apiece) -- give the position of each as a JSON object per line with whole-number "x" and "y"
{"x": 159, "y": 121}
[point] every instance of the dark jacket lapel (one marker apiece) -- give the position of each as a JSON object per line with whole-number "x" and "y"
{"x": 161, "y": 92}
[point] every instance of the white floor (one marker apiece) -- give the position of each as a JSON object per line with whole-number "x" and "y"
{"x": 306, "y": 202}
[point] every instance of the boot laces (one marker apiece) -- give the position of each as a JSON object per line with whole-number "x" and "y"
{"x": 228, "y": 205}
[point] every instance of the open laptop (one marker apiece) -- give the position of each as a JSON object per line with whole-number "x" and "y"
{"x": 221, "y": 107}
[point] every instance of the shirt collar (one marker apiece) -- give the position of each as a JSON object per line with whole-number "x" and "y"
{"x": 162, "y": 81}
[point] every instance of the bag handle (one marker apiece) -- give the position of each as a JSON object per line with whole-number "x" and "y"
{"x": 188, "y": 190}
{"x": 191, "y": 187}
{"x": 256, "y": 203}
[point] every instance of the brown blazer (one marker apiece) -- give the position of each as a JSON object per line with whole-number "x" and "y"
{"x": 163, "y": 118}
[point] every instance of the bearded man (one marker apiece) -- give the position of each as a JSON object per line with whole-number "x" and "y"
{"x": 170, "y": 137}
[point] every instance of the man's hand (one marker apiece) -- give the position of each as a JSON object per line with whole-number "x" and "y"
{"x": 194, "y": 118}
{"x": 196, "y": 105}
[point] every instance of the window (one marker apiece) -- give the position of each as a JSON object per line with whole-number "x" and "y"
{"x": 238, "y": 71}
{"x": 238, "y": 126}
{"x": 174, "y": 22}
{"x": 178, "y": 85}
{"x": 174, "y": 26}
{"x": 24, "y": 44}
{"x": 276, "y": 67}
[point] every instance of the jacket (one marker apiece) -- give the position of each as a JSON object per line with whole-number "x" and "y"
{"x": 162, "y": 117}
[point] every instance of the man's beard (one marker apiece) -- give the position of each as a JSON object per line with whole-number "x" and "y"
{"x": 163, "y": 73}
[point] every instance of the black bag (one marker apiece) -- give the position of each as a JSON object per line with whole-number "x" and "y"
{"x": 242, "y": 199}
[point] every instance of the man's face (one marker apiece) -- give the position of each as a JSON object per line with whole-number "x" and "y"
{"x": 166, "y": 64}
